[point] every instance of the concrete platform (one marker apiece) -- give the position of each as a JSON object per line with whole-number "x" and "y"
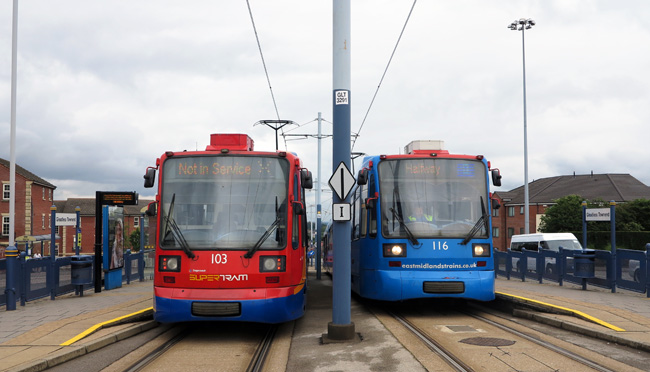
{"x": 45, "y": 333}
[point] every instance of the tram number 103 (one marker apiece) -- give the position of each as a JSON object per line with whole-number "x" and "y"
{"x": 219, "y": 258}
{"x": 440, "y": 246}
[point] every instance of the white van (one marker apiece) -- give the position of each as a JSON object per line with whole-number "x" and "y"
{"x": 550, "y": 241}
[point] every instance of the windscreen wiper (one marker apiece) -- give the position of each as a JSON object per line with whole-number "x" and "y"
{"x": 166, "y": 230}
{"x": 263, "y": 238}
{"x": 178, "y": 236}
{"x": 410, "y": 235}
{"x": 477, "y": 227}
{"x": 175, "y": 230}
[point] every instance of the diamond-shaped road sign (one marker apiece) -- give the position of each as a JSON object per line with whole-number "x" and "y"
{"x": 342, "y": 181}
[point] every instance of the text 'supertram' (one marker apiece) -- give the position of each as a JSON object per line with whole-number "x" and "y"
{"x": 421, "y": 226}
{"x": 231, "y": 233}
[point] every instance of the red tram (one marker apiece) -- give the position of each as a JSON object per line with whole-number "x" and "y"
{"x": 232, "y": 233}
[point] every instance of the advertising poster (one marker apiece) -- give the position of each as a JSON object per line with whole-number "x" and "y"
{"x": 116, "y": 237}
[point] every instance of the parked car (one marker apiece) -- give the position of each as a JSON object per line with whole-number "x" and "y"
{"x": 549, "y": 241}
{"x": 634, "y": 268}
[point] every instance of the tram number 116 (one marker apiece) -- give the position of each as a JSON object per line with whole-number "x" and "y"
{"x": 440, "y": 246}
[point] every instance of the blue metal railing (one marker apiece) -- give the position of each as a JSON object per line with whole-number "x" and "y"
{"x": 629, "y": 270}
{"x": 39, "y": 278}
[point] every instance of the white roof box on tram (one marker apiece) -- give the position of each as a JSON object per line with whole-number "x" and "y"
{"x": 431, "y": 145}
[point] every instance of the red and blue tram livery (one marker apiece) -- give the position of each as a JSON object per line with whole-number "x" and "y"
{"x": 421, "y": 225}
{"x": 231, "y": 233}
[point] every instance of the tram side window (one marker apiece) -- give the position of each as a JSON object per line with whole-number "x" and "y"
{"x": 364, "y": 211}
{"x": 373, "y": 212}
{"x": 356, "y": 212}
{"x": 295, "y": 227}
{"x": 305, "y": 233}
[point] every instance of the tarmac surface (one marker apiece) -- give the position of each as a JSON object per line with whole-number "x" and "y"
{"x": 45, "y": 333}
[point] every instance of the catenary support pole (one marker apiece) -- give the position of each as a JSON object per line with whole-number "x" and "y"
{"x": 319, "y": 215}
{"x": 341, "y": 327}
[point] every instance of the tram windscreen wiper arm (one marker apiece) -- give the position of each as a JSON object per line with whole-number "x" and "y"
{"x": 263, "y": 238}
{"x": 411, "y": 237}
{"x": 166, "y": 229}
{"x": 477, "y": 227}
{"x": 172, "y": 227}
{"x": 178, "y": 236}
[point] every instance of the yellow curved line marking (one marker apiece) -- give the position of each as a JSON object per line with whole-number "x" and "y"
{"x": 298, "y": 288}
{"x": 99, "y": 326}
{"x": 577, "y": 313}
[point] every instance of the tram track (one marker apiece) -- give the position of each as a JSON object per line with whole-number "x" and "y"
{"x": 153, "y": 355}
{"x": 545, "y": 344}
{"x": 447, "y": 331}
{"x": 248, "y": 351}
{"x": 259, "y": 357}
{"x": 433, "y": 345}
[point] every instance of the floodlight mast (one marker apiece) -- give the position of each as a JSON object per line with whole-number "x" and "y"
{"x": 521, "y": 25}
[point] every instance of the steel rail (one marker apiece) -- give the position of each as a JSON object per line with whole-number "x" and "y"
{"x": 160, "y": 350}
{"x": 259, "y": 357}
{"x": 433, "y": 345}
{"x": 548, "y": 345}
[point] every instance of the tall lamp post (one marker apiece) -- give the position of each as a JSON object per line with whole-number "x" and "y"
{"x": 521, "y": 25}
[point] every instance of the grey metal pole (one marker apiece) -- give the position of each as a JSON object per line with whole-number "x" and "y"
{"x": 319, "y": 219}
{"x": 12, "y": 140}
{"x": 341, "y": 328}
{"x": 526, "y": 203}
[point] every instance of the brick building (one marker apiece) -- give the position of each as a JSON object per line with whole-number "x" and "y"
{"x": 509, "y": 219}
{"x": 34, "y": 198}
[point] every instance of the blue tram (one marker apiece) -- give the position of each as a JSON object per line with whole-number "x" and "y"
{"x": 421, "y": 225}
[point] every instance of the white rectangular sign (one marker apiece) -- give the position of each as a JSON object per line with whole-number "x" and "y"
{"x": 66, "y": 219}
{"x": 341, "y": 97}
{"x": 598, "y": 214}
{"x": 341, "y": 212}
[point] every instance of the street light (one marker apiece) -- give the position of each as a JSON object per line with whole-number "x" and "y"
{"x": 521, "y": 25}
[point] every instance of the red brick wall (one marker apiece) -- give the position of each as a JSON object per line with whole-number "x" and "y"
{"x": 22, "y": 217}
{"x": 516, "y": 222}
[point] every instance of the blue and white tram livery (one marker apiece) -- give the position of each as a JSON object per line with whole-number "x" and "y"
{"x": 421, "y": 225}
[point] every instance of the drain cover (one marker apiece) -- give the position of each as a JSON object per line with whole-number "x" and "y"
{"x": 487, "y": 341}
{"x": 461, "y": 328}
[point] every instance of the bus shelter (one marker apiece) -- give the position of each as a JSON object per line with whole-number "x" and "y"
{"x": 31, "y": 244}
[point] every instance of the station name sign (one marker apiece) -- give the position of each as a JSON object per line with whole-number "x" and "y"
{"x": 598, "y": 214}
{"x": 66, "y": 219}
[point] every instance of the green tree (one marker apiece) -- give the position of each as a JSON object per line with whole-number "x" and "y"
{"x": 134, "y": 240}
{"x": 633, "y": 216}
{"x": 565, "y": 215}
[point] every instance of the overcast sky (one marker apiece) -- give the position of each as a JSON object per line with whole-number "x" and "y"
{"x": 105, "y": 87}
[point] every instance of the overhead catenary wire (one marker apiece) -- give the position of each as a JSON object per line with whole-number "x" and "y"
{"x": 259, "y": 46}
{"x": 354, "y": 141}
{"x": 304, "y": 136}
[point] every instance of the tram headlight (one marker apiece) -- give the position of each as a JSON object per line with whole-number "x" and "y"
{"x": 481, "y": 250}
{"x": 169, "y": 263}
{"x": 395, "y": 250}
{"x": 273, "y": 263}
